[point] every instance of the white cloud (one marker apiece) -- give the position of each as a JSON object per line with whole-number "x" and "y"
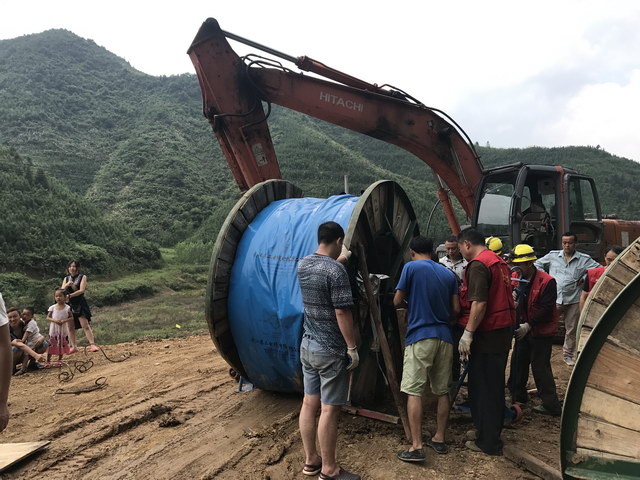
{"x": 604, "y": 114}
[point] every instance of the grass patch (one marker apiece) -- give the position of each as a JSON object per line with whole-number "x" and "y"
{"x": 151, "y": 318}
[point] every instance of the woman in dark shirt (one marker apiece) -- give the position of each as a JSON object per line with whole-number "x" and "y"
{"x": 75, "y": 284}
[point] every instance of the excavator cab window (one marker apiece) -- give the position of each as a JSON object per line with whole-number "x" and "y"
{"x": 584, "y": 213}
{"x": 494, "y": 209}
{"x": 538, "y": 213}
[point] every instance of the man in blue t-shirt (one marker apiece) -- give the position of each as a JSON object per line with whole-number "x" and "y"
{"x": 430, "y": 293}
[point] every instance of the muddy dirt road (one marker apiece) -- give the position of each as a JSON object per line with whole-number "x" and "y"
{"x": 172, "y": 411}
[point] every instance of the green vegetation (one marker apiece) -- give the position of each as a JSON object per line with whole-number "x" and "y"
{"x": 44, "y": 225}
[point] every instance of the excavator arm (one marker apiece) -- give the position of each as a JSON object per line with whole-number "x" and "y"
{"x": 235, "y": 88}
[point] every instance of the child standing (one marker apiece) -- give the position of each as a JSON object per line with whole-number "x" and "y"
{"x": 60, "y": 316}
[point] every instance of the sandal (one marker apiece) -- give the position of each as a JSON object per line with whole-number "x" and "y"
{"x": 412, "y": 455}
{"x": 46, "y": 365}
{"x": 311, "y": 469}
{"x": 342, "y": 475}
{"x": 93, "y": 348}
{"x": 439, "y": 447}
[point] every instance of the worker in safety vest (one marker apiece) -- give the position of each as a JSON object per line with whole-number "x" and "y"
{"x": 538, "y": 322}
{"x": 594, "y": 274}
{"x": 487, "y": 316}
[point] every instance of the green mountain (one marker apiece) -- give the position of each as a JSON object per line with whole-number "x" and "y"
{"x": 137, "y": 149}
{"x": 45, "y": 225}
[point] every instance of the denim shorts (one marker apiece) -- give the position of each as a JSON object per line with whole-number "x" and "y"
{"x": 325, "y": 374}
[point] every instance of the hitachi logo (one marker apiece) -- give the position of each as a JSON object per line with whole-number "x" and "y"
{"x": 335, "y": 100}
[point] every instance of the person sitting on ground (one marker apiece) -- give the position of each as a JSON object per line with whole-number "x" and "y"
{"x": 19, "y": 349}
{"x": 430, "y": 291}
{"x": 61, "y": 318}
{"x": 31, "y": 337}
{"x": 75, "y": 285}
{"x": 594, "y": 274}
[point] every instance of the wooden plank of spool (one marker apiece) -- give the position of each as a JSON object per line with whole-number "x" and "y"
{"x": 586, "y": 452}
{"x": 598, "y": 435}
{"x": 627, "y": 333}
{"x": 617, "y": 372}
{"x": 384, "y": 345}
{"x": 610, "y": 408}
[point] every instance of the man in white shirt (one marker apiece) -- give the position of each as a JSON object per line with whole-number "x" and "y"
{"x": 5, "y": 365}
{"x": 454, "y": 260}
{"x": 568, "y": 267}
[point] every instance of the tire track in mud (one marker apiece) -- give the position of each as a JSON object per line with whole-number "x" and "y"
{"x": 118, "y": 425}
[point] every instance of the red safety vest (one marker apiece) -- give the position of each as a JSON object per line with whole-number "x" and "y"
{"x": 593, "y": 274}
{"x": 538, "y": 285}
{"x": 501, "y": 310}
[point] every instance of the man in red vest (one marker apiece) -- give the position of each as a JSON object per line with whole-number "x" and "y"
{"x": 538, "y": 322}
{"x": 487, "y": 316}
{"x": 594, "y": 274}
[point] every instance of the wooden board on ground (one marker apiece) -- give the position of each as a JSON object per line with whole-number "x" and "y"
{"x": 531, "y": 463}
{"x": 12, "y": 453}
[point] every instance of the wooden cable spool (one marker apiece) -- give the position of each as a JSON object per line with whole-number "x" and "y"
{"x": 617, "y": 276}
{"x": 600, "y": 432}
{"x": 382, "y": 222}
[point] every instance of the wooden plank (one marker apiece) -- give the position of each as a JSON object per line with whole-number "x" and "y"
{"x": 384, "y": 345}
{"x": 585, "y": 332}
{"x": 627, "y": 331}
{"x": 12, "y": 453}
{"x": 586, "y": 452}
{"x": 621, "y": 273}
{"x": 610, "y": 409}
{"x": 594, "y": 312}
{"x": 631, "y": 257}
{"x": 605, "y": 437}
{"x": 616, "y": 371}
{"x": 520, "y": 457}
{"x": 608, "y": 290}
{"x": 363, "y": 412}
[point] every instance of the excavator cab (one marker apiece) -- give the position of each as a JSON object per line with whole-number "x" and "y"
{"x": 536, "y": 204}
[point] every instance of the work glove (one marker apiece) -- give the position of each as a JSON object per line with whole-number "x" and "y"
{"x": 346, "y": 253}
{"x": 464, "y": 347}
{"x": 352, "y": 353}
{"x": 522, "y": 331}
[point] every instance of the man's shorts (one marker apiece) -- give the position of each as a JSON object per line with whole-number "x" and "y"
{"x": 325, "y": 374}
{"x": 429, "y": 358}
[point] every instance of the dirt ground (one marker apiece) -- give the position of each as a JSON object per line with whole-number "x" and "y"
{"x": 171, "y": 409}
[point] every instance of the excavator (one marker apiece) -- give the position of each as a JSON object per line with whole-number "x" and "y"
{"x": 518, "y": 203}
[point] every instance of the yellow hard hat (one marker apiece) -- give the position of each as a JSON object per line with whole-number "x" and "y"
{"x": 523, "y": 253}
{"x": 494, "y": 244}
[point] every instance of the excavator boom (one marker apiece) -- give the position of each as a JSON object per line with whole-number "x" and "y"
{"x": 235, "y": 88}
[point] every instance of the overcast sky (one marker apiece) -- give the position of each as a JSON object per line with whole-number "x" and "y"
{"x": 514, "y": 74}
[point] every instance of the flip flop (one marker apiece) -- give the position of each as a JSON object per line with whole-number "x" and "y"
{"x": 439, "y": 447}
{"x": 412, "y": 455}
{"x": 312, "y": 470}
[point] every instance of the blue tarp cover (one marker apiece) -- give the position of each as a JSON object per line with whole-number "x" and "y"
{"x": 264, "y": 303}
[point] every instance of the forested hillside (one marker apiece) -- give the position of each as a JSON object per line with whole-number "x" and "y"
{"x": 136, "y": 148}
{"x": 44, "y": 225}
